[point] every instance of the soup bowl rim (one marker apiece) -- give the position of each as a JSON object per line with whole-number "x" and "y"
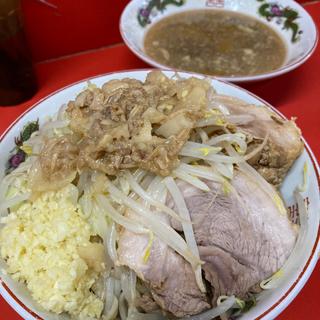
{"x": 285, "y": 68}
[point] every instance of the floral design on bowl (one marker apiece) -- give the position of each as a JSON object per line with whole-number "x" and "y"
{"x": 19, "y": 153}
{"x": 215, "y": 3}
{"x": 150, "y": 9}
{"x": 283, "y": 15}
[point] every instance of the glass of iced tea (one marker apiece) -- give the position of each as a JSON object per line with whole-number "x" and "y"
{"x": 17, "y": 79}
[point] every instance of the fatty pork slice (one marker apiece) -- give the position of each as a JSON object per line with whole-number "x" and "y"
{"x": 284, "y": 143}
{"x": 169, "y": 276}
{"x": 242, "y": 236}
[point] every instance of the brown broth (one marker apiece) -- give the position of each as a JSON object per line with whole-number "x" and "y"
{"x": 215, "y": 42}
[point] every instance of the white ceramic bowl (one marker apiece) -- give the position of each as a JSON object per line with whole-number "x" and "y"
{"x": 140, "y": 15}
{"x": 272, "y": 302}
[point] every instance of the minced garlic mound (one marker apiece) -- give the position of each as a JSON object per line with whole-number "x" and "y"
{"x": 39, "y": 243}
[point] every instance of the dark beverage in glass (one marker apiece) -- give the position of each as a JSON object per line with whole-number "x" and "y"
{"x": 17, "y": 79}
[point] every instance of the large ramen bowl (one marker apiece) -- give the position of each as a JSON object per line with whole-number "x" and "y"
{"x": 270, "y": 302}
{"x": 290, "y": 21}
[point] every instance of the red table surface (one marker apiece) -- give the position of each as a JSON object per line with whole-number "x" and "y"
{"x": 295, "y": 95}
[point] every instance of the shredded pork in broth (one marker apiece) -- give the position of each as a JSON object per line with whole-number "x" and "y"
{"x": 142, "y": 190}
{"x": 215, "y": 42}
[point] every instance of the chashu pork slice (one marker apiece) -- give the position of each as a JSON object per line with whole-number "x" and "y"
{"x": 242, "y": 236}
{"x": 169, "y": 276}
{"x": 284, "y": 143}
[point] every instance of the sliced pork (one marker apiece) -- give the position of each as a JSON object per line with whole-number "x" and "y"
{"x": 242, "y": 236}
{"x": 284, "y": 144}
{"x": 170, "y": 277}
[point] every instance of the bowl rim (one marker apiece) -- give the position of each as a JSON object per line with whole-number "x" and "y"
{"x": 238, "y": 79}
{"x": 276, "y": 308}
